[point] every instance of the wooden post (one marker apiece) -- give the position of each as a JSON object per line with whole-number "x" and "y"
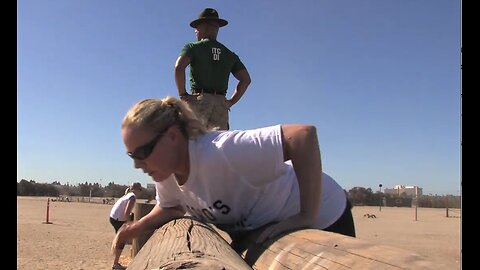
{"x": 139, "y": 210}
{"x": 187, "y": 244}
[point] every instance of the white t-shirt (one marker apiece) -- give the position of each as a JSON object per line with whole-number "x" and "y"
{"x": 238, "y": 180}
{"x": 118, "y": 209}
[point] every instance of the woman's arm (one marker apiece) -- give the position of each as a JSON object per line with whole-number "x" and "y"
{"x": 300, "y": 145}
{"x": 155, "y": 219}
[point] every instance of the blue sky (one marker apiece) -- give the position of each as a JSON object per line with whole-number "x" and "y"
{"x": 380, "y": 79}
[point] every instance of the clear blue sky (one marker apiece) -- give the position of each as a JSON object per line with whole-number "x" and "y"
{"x": 379, "y": 78}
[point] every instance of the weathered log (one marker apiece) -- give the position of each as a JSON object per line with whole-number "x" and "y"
{"x": 187, "y": 244}
{"x": 317, "y": 249}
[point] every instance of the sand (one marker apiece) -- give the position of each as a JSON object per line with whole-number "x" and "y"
{"x": 80, "y": 235}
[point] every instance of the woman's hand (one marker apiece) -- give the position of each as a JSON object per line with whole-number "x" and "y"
{"x": 295, "y": 222}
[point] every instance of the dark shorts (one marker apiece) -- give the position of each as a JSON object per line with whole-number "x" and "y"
{"x": 344, "y": 225}
{"x": 116, "y": 225}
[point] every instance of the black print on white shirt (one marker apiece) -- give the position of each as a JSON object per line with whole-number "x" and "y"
{"x": 206, "y": 213}
{"x": 218, "y": 205}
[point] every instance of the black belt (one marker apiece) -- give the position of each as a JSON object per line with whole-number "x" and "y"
{"x": 201, "y": 91}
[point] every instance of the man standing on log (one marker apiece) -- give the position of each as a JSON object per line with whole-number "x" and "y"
{"x": 210, "y": 66}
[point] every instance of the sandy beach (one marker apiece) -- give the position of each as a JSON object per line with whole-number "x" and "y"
{"x": 80, "y": 235}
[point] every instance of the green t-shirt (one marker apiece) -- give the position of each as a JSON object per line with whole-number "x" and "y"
{"x": 210, "y": 64}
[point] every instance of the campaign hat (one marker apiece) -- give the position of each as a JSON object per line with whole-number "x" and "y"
{"x": 208, "y": 14}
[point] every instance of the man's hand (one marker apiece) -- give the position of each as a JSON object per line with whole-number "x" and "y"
{"x": 229, "y": 103}
{"x": 184, "y": 96}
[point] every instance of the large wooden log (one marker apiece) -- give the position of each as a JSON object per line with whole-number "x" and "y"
{"x": 316, "y": 249}
{"x": 187, "y": 244}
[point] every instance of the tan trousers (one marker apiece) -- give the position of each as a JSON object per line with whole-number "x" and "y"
{"x": 211, "y": 109}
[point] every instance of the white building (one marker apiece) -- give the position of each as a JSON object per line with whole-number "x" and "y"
{"x": 410, "y": 191}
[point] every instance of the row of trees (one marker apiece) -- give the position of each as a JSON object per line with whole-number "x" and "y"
{"x": 365, "y": 196}
{"x": 357, "y": 195}
{"x": 55, "y": 189}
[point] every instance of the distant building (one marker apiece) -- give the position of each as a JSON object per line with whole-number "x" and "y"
{"x": 408, "y": 190}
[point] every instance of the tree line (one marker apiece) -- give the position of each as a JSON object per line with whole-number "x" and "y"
{"x": 365, "y": 196}
{"x": 357, "y": 195}
{"x": 56, "y": 189}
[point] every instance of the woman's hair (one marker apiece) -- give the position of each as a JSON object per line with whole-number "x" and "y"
{"x": 160, "y": 114}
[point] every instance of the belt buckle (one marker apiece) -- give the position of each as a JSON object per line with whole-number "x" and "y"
{"x": 202, "y": 91}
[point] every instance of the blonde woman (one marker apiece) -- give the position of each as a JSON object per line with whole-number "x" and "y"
{"x": 239, "y": 180}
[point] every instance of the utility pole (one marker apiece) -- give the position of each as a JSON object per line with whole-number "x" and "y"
{"x": 380, "y": 187}
{"x": 416, "y": 202}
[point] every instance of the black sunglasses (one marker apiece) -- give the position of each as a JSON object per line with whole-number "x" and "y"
{"x": 142, "y": 152}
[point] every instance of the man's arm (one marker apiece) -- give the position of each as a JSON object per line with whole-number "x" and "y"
{"x": 180, "y": 65}
{"x": 129, "y": 208}
{"x": 244, "y": 81}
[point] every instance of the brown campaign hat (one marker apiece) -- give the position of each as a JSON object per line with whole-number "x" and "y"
{"x": 208, "y": 14}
